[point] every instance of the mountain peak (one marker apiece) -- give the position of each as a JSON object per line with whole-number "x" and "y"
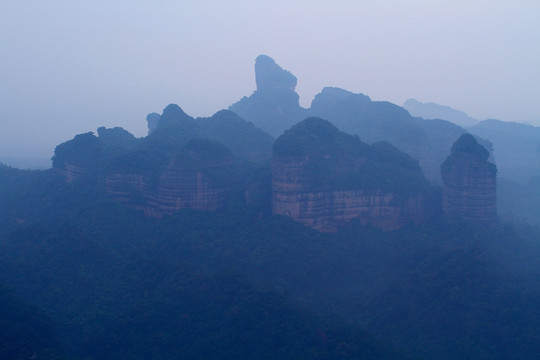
{"x": 467, "y": 144}
{"x": 269, "y": 75}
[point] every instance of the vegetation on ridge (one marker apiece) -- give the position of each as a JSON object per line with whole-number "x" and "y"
{"x": 336, "y": 160}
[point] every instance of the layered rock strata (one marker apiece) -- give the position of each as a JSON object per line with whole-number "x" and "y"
{"x": 327, "y": 210}
{"x": 199, "y": 178}
{"x": 324, "y": 178}
{"x": 470, "y": 182}
{"x": 183, "y": 162}
{"x": 76, "y": 160}
{"x": 176, "y": 189}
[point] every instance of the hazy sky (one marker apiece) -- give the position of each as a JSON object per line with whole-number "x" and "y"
{"x": 68, "y": 67}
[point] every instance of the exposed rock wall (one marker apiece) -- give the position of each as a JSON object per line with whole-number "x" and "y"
{"x": 324, "y": 178}
{"x": 133, "y": 190}
{"x": 328, "y": 209}
{"x": 470, "y": 182}
{"x": 161, "y": 173}
{"x": 73, "y": 172}
{"x": 184, "y": 188}
{"x": 176, "y": 189}
{"x": 201, "y": 177}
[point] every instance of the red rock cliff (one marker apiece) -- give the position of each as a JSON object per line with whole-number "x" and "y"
{"x": 324, "y": 178}
{"x": 326, "y": 210}
{"x": 470, "y": 182}
{"x": 191, "y": 180}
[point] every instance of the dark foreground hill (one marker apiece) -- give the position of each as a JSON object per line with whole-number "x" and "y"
{"x": 233, "y": 285}
{"x": 25, "y": 331}
{"x": 236, "y": 283}
{"x": 117, "y": 285}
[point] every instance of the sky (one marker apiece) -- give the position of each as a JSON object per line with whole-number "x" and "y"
{"x": 69, "y": 67}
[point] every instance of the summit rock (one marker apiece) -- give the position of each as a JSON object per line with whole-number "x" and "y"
{"x": 274, "y": 106}
{"x": 270, "y": 76}
{"x": 470, "y": 182}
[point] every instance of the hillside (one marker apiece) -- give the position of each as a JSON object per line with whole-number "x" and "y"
{"x": 208, "y": 239}
{"x": 116, "y": 283}
{"x": 323, "y": 178}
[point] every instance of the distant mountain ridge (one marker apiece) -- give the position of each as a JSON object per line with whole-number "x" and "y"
{"x": 275, "y": 107}
{"x": 205, "y": 163}
{"x": 435, "y": 111}
{"x": 320, "y": 176}
{"x": 516, "y": 147}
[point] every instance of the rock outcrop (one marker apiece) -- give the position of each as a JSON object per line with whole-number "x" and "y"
{"x": 183, "y": 163}
{"x": 274, "y": 106}
{"x": 116, "y": 137}
{"x": 324, "y": 178}
{"x": 175, "y": 128}
{"x": 152, "y": 121}
{"x": 470, "y": 182}
{"x": 201, "y": 177}
{"x": 270, "y": 76}
{"x": 374, "y": 121}
{"x": 77, "y": 159}
{"x": 245, "y": 140}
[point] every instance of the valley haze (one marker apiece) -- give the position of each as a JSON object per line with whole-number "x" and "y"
{"x": 71, "y": 67}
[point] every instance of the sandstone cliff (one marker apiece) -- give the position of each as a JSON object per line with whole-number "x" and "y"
{"x": 324, "y": 178}
{"x": 470, "y": 182}
{"x": 201, "y": 177}
{"x": 176, "y": 166}
{"x": 78, "y": 159}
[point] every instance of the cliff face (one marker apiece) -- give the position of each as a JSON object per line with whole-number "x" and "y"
{"x": 183, "y": 186}
{"x": 183, "y": 162}
{"x": 133, "y": 190}
{"x": 176, "y": 190}
{"x": 326, "y": 210}
{"x": 77, "y": 159}
{"x": 470, "y": 182}
{"x": 200, "y": 177}
{"x": 72, "y": 171}
{"x": 324, "y": 178}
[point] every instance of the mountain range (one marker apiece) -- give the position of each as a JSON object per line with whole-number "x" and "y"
{"x": 348, "y": 230}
